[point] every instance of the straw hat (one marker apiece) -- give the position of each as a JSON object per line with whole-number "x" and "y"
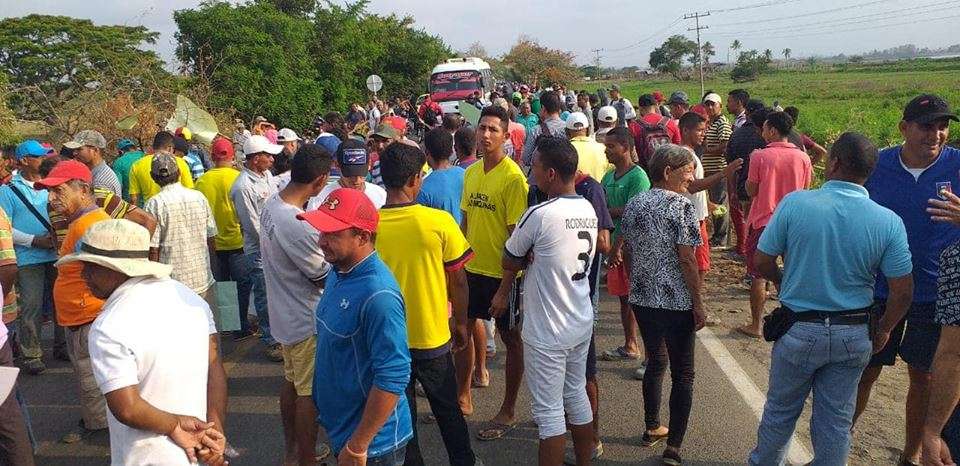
{"x": 119, "y": 245}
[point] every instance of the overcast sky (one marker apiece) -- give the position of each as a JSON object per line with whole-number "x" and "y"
{"x": 620, "y": 27}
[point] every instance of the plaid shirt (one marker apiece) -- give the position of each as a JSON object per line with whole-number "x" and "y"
{"x": 184, "y": 222}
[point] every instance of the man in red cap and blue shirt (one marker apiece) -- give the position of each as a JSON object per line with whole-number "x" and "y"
{"x": 362, "y": 363}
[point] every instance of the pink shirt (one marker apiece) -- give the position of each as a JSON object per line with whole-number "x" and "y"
{"x": 518, "y": 135}
{"x": 779, "y": 169}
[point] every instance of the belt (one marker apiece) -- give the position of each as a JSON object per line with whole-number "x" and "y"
{"x": 829, "y": 318}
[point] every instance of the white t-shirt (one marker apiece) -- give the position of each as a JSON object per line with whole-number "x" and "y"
{"x": 562, "y": 234}
{"x": 152, "y": 333}
{"x": 699, "y": 199}
{"x": 376, "y": 194}
{"x": 292, "y": 263}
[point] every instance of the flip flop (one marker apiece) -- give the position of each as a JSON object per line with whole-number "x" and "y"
{"x": 744, "y": 331}
{"x": 494, "y": 431}
{"x": 648, "y": 440}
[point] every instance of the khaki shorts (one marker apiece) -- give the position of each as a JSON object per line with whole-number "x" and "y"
{"x": 298, "y": 363}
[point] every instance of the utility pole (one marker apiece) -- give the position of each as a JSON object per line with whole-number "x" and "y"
{"x": 597, "y": 51}
{"x": 697, "y": 16}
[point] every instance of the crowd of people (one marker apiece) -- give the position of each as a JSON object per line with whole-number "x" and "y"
{"x": 381, "y": 269}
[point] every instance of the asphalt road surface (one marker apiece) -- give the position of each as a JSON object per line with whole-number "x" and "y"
{"x": 728, "y": 398}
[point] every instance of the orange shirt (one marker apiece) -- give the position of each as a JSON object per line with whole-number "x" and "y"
{"x": 75, "y": 304}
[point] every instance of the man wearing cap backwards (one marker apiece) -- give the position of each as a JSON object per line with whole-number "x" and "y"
{"x": 231, "y": 265}
{"x": 248, "y": 193}
{"x": 142, "y": 186}
{"x": 625, "y": 112}
{"x": 353, "y": 163}
{"x": 167, "y": 396}
{"x": 35, "y": 247}
{"x": 70, "y": 193}
{"x": 295, "y": 272}
{"x": 362, "y": 360}
{"x": 184, "y": 238}
{"x": 129, "y": 154}
{"x": 906, "y": 177}
{"x": 679, "y": 104}
{"x": 89, "y": 146}
{"x": 606, "y": 120}
{"x": 592, "y": 159}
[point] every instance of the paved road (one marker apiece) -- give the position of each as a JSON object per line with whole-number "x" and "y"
{"x": 722, "y": 426}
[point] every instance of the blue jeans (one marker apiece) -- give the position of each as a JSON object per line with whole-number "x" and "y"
{"x": 34, "y": 289}
{"x": 827, "y": 359}
{"x": 394, "y": 458}
{"x": 260, "y": 297}
{"x": 232, "y": 266}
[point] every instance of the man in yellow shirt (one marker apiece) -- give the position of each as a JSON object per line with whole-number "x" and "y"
{"x": 231, "y": 262}
{"x": 142, "y": 186}
{"x": 494, "y": 198}
{"x": 426, "y": 251}
{"x": 591, "y": 155}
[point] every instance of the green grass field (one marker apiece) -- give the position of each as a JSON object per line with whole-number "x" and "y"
{"x": 867, "y": 98}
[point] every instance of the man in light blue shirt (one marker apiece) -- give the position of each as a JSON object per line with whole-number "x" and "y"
{"x": 833, "y": 242}
{"x": 35, "y": 246}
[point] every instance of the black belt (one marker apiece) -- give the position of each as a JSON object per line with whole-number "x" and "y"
{"x": 856, "y": 317}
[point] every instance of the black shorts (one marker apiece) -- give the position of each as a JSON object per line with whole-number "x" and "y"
{"x": 914, "y": 338}
{"x": 482, "y": 290}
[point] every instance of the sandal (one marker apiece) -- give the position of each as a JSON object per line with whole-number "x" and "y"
{"x": 493, "y": 430}
{"x": 651, "y": 440}
{"x": 483, "y": 381}
{"x": 620, "y": 353}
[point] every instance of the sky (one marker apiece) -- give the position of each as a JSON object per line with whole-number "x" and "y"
{"x": 625, "y": 30}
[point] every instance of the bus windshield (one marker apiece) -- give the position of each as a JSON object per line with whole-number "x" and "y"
{"x": 455, "y": 81}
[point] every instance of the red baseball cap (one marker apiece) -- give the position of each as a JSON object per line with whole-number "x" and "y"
{"x": 221, "y": 150}
{"x": 658, "y": 96}
{"x": 397, "y": 122}
{"x": 699, "y": 109}
{"x": 64, "y": 171}
{"x": 344, "y": 208}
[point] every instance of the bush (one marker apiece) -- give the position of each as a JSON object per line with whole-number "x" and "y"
{"x": 750, "y": 65}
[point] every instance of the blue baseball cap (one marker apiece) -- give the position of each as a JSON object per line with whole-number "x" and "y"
{"x": 123, "y": 144}
{"x": 31, "y": 148}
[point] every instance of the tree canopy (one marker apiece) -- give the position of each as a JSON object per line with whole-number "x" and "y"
{"x": 272, "y": 58}
{"x": 668, "y": 58}
{"x": 539, "y": 65}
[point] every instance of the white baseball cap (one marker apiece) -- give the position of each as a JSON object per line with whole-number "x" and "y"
{"x": 577, "y": 121}
{"x": 256, "y": 144}
{"x": 607, "y": 114}
{"x": 287, "y": 135}
{"x": 712, "y": 97}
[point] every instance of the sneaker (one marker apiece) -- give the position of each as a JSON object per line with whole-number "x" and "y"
{"x": 619, "y": 353}
{"x": 570, "y": 458}
{"x": 34, "y": 366}
{"x": 641, "y": 371}
{"x": 275, "y": 353}
{"x": 671, "y": 457}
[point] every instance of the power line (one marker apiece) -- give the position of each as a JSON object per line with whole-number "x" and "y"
{"x": 755, "y": 5}
{"x": 860, "y": 19}
{"x": 802, "y": 15}
{"x": 869, "y": 28}
{"x": 650, "y": 37}
{"x": 597, "y": 51}
{"x": 696, "y": 17}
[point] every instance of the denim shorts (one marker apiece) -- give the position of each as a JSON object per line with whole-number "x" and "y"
{"x": 914, "y": 338}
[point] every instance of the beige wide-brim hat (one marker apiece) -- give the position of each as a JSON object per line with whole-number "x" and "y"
{"x": 119, "y": 245}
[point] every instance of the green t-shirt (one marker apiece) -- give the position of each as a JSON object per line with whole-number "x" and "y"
{"x": 122, "y": 166}
{"x": 621, "y": 190}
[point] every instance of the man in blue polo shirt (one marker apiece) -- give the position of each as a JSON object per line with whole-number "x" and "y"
{"x": 833, "y": 240}
{"x": 905, "y": 178}
{"x": 36, "y": 253}
{"x": 362, "y": 363}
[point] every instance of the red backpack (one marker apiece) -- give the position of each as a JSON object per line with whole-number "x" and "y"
{"x": 650, "y": 138}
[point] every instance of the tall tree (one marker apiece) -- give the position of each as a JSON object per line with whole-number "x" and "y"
{"x": 735, "y": 46}
{"x": 668, "y": 58}
{"x": 708, "y": 50}
{"x": 51, "y": 58}
{"x": 768, "y": 54}
{"x": 540, "y": 65}
{"x": 476, "y": 49}
{"x": 786, "y": 53}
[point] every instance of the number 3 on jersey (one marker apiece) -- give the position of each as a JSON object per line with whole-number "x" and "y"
{"x": 584, "y": 256}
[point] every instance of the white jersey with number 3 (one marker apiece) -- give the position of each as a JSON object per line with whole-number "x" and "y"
{"x": 561, "y": 234}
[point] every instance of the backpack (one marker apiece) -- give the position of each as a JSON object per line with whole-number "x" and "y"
{"x": 652, "y": 137}
{"x": 429, "y": 116}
